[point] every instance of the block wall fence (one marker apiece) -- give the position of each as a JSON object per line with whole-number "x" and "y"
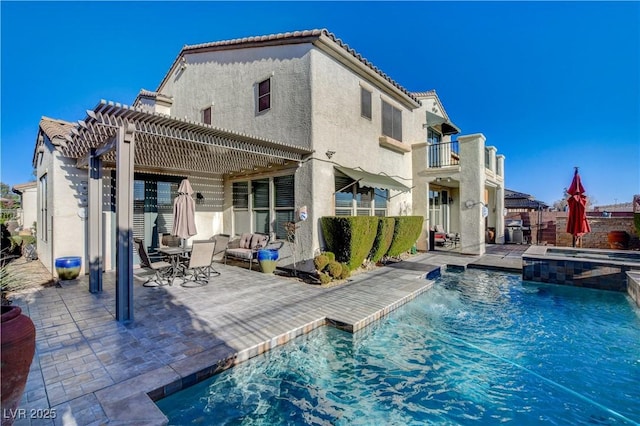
{"x": 548, "y": 228}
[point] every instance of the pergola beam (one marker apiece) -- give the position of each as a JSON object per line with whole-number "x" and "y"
{"x": 101, "y": 150}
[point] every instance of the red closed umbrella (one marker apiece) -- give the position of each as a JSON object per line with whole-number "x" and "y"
{"x": 577, "y": 224}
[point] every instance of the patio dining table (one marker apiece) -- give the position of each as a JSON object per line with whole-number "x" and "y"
{"x": 175, "y": 254}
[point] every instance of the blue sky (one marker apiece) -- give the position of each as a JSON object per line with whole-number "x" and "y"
{"x": 552, "y": 85}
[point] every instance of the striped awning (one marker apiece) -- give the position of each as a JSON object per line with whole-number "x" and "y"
{"x": 165, "y": 144}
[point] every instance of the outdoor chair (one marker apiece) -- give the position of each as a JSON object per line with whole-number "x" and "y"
{"x": 198, "y": 268}
{"x": 160, "y": 268}
{"x": 222, "y": 241}
{"x": 445, "y": 238}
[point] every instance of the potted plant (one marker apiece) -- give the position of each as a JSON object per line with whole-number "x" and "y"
{"x": 18, "y": 341}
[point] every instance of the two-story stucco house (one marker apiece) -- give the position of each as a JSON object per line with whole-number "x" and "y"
{"x": 262, "y": 127}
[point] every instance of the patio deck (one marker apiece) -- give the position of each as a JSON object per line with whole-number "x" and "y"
{"x": 93, "y": 370}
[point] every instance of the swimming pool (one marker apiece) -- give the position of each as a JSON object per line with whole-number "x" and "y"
{"x": 479, "y": 348}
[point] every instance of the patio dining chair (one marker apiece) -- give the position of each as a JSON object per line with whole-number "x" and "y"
{"x": 198, "y": 267}
{"x": 160, "y": 268}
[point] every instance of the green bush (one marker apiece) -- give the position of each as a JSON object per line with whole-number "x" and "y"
{"x": 330, "y": 256}
{"x": 350, "y": 238}
{"x": 345, "y": 271}
{"x": 636, "y": 220}
{"x": 405, "y": 233}
{"x": 384, "y": 236}
{"x": 320, "y": 262}
{"x": 324, "y": 278}
{"x": 335, "y": 269}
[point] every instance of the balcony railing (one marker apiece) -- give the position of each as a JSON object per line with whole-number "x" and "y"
{"x": 444, "y": 154}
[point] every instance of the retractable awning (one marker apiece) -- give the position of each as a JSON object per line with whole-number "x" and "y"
{"x": 448, "y": 128}
{"x": 372, "y": 180}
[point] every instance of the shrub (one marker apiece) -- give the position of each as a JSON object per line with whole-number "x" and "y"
{"x": 636, "y": 220}
{"x": 405, "y": 233}
{"x": 349, "y": 237}
{"x": 320, "y": 262}
{"x": 324, "y": 278}
{"x": 384, "y": 236}
{"x": 345, "y": 271}
{"x": 330, "y": 256}
{"x": 335, "y": 269}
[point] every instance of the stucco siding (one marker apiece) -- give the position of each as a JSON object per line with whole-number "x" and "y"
{"x": 339, "y": 126}
{"x": 228, "y": 81}
{"x": 69, "y": 228}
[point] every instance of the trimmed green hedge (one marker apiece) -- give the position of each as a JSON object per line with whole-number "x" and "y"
{"x": 383, "y": 240}
{"x": 350, "y": 238}
{"x": 636, "y": 220}
{"x": 405, "y": 233}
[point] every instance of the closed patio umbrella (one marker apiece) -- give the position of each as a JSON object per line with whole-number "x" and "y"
{"x": 577, "y": 224}
{"x": 184, "y": 212}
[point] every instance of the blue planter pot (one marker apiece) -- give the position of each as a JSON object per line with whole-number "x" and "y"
{"x": 68, "y": 268}
{"x": 268, "y": 260}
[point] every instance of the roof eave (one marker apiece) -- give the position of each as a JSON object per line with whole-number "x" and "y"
{"x": 329, "y": 46}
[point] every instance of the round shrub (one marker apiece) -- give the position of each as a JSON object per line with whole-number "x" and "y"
{"x": 335, "y": 269}
{"x": 330, "y": 256}
{"x": 324, "y": 278}
{"x": 320, "y": 262}
{"x": 345, "y": 271}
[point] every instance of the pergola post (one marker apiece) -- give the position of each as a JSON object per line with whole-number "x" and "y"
{"x": 124, "y": 222}
{"x": 95, "y": 222}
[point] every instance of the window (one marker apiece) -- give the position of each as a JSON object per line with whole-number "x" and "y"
{"x": 353, "y": 200}
{"x": 240, "y": 195}
{"x": 284, "y": 203}
{"x": 206, "y": 115}
{"x": 260, "y": 193}
{"x": 43, "y": 226}
{"x": 380, "y": 198}
{"x": 264, "y": 95}
{"x": 271, "y": 205}
{"x": 166, "y": 194}
{"x": 365, "y": 103}
{"x": 391, "y": 121}
{"x": 433, "y": 137}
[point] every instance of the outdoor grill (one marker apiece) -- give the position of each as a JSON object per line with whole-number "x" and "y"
{"x": 513, "y": 231}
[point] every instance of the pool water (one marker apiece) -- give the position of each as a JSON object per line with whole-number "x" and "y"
{"x": 479, "y": 348}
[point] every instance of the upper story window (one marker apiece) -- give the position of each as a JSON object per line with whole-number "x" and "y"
{"x": 433, "y": 137}
{"x": 264, "y": 95}
{"x": 391, "y": 121}
{"x": 365, "y": 103}
{"x": 206, "y": 115}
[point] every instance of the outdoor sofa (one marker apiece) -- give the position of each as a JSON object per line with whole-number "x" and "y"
{"x": 246, "y": 247}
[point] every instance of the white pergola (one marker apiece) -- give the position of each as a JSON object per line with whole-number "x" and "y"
{"x": 124, "y": 138}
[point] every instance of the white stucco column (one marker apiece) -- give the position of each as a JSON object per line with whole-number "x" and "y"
{"x": 500, "y": 201}
{"x": 492, "y": 158}
{"x": 420, "y": 193}
{"x": 472, "y": 178}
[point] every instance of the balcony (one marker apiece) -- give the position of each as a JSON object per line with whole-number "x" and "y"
{"x": 443, "y": 154}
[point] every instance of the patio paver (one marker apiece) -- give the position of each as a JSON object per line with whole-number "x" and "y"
{"x": 92, "y": 370}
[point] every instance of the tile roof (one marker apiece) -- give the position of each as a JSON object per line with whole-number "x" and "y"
{"x": 54, "y": 128}
{"x": 519, "y": 200}
{"x": 284, "y": 38}
{"x": 425, "y": 94}
{"x": 147, "y": 93}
